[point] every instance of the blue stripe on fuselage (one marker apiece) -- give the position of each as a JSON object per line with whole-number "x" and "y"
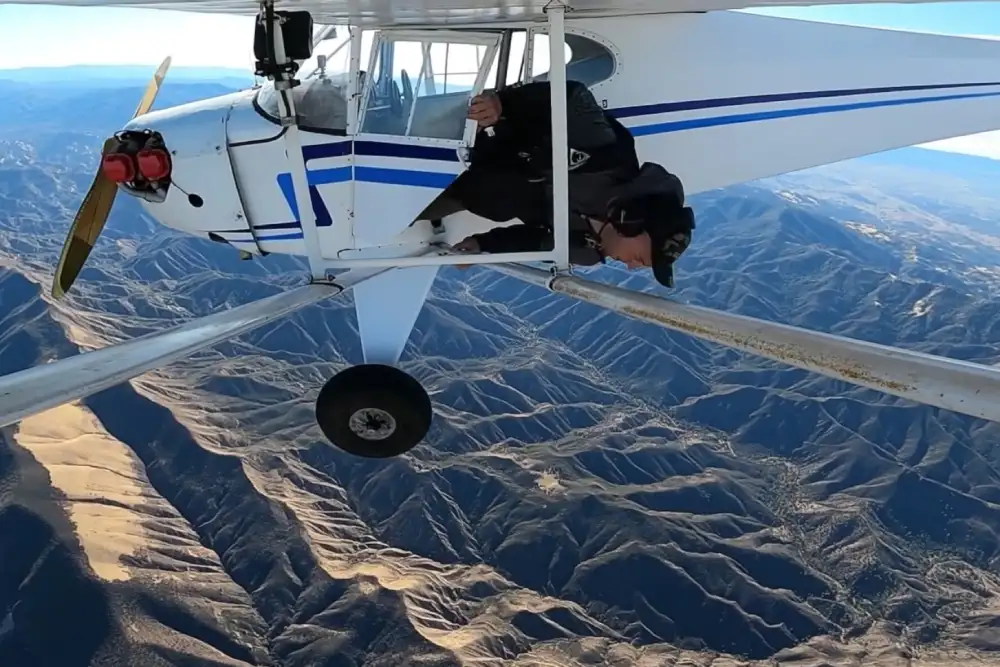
{"x": 315, "y": 177}
{"x": 424, "y": 178}
{"x": 421, "y": 179}
{"x": 734, "y": 119}
{"x": 319, "y": 151}
{"x": 378, "y": 149}
{"x": 386, "y": 149}
{"x": 743, "y": 100}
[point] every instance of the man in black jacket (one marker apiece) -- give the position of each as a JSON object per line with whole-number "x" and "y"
{"x": 618, "y": 209}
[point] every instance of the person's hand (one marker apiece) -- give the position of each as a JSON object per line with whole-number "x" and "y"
{"x": 485, "y": 109}
{"x": 467, "y": 245}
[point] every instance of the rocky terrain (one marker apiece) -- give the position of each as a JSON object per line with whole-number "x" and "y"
{"x": 594, "y": 491}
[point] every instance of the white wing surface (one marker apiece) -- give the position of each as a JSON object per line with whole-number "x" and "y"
{"x": 442, "y": 12}
{"x": 730, "y": 97}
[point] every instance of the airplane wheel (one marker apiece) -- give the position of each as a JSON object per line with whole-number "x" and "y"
{"x": 374, "y": 411}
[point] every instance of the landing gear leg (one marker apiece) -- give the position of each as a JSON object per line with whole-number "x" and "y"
{"x": 374, "y": 411}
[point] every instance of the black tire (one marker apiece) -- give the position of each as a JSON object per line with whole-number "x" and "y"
{"x": 391, "y": 403}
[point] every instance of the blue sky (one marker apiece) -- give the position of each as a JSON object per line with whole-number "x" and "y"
{"x": 954, "y": 18}
{"x": 34, "y": 35}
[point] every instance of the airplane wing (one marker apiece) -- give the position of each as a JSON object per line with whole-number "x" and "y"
{"x": 759, "y": 96}
{"x": 445, "y": 12}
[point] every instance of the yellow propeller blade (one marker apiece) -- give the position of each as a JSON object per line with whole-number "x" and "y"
{"x": 152, "y": 88}
{"x": 96, "y": 206}
{"x": 87, "y": 225}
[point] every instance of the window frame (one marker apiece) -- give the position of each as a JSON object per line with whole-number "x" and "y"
{"x": 609, "y": 49}
{"x": 501, "y": 40}
{"x": 268, "y": 86}
{"x": 487, "y": 38}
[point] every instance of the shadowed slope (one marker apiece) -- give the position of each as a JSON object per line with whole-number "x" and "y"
{"x": 593, "y": 490}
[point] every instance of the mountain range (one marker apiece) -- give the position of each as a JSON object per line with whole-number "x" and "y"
{"x": 594, "y": 490}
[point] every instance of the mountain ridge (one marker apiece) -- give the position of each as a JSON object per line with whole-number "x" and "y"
{"x": 594, "y": 490}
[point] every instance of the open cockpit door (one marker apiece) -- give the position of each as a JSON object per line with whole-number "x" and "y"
{"x": 413, "y": 133}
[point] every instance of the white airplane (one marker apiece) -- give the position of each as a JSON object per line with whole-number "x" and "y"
{"x": 335, "y": 166}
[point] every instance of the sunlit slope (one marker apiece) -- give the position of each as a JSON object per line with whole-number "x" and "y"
{"x": 594, "y": 491}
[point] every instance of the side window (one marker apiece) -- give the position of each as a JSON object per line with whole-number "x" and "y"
{"x": 515, "y": 62}
{"x": 515, "y": 65}
{"x": 587, "y": 61}
{"x": 335, "y": 47}
{"x": 422, "y": 87}
{"x": 321, "y": 100}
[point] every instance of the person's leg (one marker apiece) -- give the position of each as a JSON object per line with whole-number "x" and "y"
{"x": 441, "y": 207}
{"x": 446, "y": 203}
{"x": 499, "y": 195}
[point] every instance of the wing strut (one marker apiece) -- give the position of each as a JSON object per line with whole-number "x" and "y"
{"x": 283, "y": 83}
{"x": 34, "y": 390}
{"x": 556, "y": 11}
{"x": 961, "y": 386}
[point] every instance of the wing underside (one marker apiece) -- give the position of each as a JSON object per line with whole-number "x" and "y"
{"x": 733, "y": 97}
{"x": 440, "y": 12}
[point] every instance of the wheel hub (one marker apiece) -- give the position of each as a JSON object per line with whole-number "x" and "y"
{"x": 372, "y": 424}
{"x": 374, "y": 411}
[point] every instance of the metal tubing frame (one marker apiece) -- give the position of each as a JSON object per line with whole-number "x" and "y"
{"x": 342, "y": 231}
{"x": 37, "y": 389}
{"x": 438, "y": 259}
{"x": 961, "y": 386}
{"x": 503, "y": 59}
{"x": 558, "y": 256}
{"x": 560, "y": 144}
{"x": 293, "y": 148}
{"x": 356, "y": 35}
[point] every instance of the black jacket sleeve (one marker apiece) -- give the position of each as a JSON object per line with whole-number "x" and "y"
{"x": 516, "y": 238}
{"x": 525, "y": 124}
{"x": 528, "y": 238}
{"x": 528, "y": 107}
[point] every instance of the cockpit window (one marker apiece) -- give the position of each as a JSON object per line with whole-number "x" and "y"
{"x": 443, "y": 72}
{"x": 423, "y": 83}
{"x": 587, "y": 60}
{"x": 321, "y": 97}
{"x": 320, "y": 103}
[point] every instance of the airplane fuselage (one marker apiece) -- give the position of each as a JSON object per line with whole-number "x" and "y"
{"x": 717, "y": 98}
{"x": 339, "y": 172}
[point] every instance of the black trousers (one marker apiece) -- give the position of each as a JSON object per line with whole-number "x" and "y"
{"x": 496, "y": 194}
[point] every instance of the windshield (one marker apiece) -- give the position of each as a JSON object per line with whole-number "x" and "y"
{"x": 335, "y": 47}
{"x": 321, "y": 97}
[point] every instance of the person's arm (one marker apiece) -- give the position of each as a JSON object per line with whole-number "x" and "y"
{"x": 528, "y": 109}
{"x": 516, "y": 238}
{"x": 524, "y": 103}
